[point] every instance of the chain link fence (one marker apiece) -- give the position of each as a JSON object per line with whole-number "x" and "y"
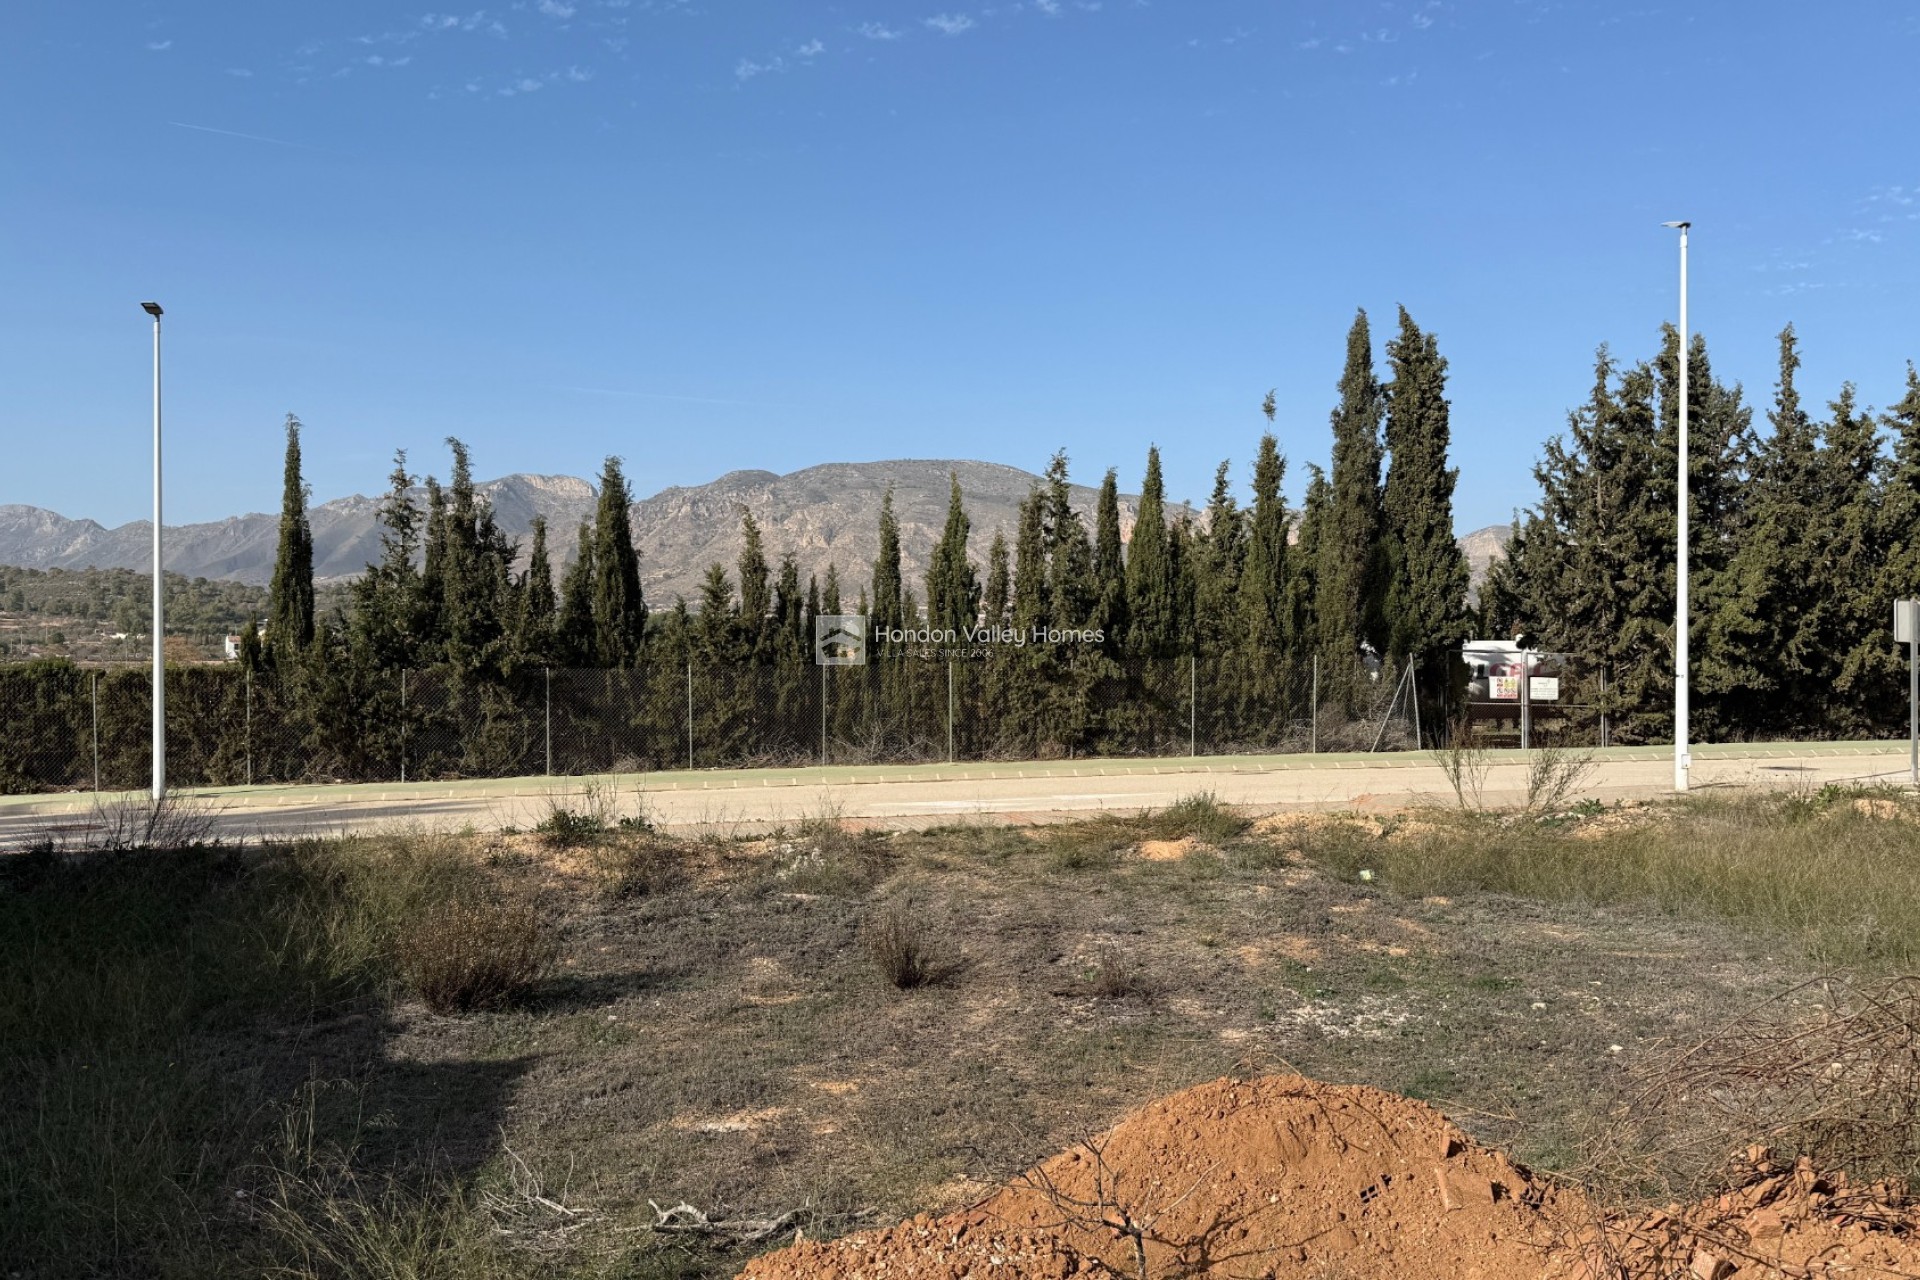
{"x": 68, "y": 728}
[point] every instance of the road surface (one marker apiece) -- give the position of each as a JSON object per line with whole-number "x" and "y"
{"x": 742, "y": 801}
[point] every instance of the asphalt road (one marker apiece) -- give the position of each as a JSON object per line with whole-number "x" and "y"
{"x": 923, "y": 795}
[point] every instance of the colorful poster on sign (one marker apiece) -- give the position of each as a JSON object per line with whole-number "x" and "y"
{"x": 1504, "y": 688}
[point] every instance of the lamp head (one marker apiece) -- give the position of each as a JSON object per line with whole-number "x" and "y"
{"x": 151, "y": 308}
{"x": 1682, "y": 225}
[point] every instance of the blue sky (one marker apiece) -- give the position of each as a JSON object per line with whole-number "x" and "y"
{"x": 739, "y": 233}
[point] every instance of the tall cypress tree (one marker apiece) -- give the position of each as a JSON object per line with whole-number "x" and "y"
{"x": 1347, "y": 585}
{"x": 1900, "y": 514}
{"x": 1427, "y": 591}
{"x": 1264, "y": 598}
{"x": 1150, "y": 586}
{"x": 756, "y": 601}
{"x": 1071, "y": 595}
{"x": 998, "y": 596}
{"x": 577, "y": 640}
{"x": 1301, "y": 619}
{"x": 1220, "y": 559}
{"x": 953, "y": 593}
{"x": 537, "y": 604}
{"x": 1109, "y": 567}
{"x": 887, "y": 603}
{"x": 619, "y": 610}
{"x": 290, "y": 598}
{"x": 830, "y": 592}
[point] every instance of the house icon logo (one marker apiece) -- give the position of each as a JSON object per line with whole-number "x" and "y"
{"x": 840, "y": 640}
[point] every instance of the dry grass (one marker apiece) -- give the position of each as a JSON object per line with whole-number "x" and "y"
{"x": 712, "y": 1034}
{"x": 904, "y": 951}
{"x": 474, "y": 952}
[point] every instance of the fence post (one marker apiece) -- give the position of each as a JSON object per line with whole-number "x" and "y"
{"x": 96, "y": 733}
{"x": 949, "y": 710}
{"x": 1603, "y": 706}
{"x": 1313, "y": 710}
{"x": 1193, "y": 704}
{"x": 403, "y": 724}
{"x": 689, "y": 713}
{"x": 823, "y": 714}
{"x": 548, "y": 673}
{"x": 249, "y": 680}
{"x": 1413, "y": 692}
{"x": 1526, "y": 701}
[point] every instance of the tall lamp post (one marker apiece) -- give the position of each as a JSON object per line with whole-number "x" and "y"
{"x": 159, "y": 586}
{"x": 1682, "y": 758}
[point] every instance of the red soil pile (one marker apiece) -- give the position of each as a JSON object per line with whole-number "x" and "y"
{"x": 1287, "y": 1177}
{"x": 1281, "y": 1176}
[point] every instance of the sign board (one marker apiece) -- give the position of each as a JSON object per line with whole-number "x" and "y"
{"x": 1906, "y": 621}
{"x": 840, "y": 640}
{"x": 1543, "y": 689}
{"x": 1503, "y": 688}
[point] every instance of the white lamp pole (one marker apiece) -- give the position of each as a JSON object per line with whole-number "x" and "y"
{"x": 159, "y": 586}
{"x": 1682, "y": 758}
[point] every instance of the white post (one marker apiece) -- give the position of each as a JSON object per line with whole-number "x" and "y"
{"x": 159, "y": 586}
{"x": 1682, "y": 758}
{"x": 1913, "y": 714}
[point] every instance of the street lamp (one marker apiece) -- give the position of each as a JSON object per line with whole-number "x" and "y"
{"x": 1682, "y": 758}
{"x": 159, "y": 586}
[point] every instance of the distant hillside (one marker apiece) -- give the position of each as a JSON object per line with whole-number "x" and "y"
{"x": 1483, "y": 547}
{"x": 823, "y": 515}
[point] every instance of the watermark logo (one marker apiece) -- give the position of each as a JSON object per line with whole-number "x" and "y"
{"x": 840, "y": 640}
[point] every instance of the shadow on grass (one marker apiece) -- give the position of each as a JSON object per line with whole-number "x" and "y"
{"x": 165, "y": 1019}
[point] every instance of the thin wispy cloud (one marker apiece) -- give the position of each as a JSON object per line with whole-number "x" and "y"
{"x": 556, "y": 8}
{"x": 1048, "y": 7}
{"x": 250, "y": 137}
{"x": 240, "y": 72}
{"x": 879, "y": 31}
{"x": 811, "y": 49}
{"x": 159, "y": 46}
{"x": 951, "y": 24}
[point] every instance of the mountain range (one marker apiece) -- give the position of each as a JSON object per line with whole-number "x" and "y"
{"x": 822, "y": 515}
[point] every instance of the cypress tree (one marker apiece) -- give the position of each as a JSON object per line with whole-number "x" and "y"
{"x": 887, "y": 601}
{"x": 1070, "y": 583}
{"x": 1347, "y": 584}
{"x": 290, "y": 598}
{"x": 433, "y": 574}
{"x": 756, "y": 604}
{"x": 577, "y": 642}
{"x": 1150, "y": 585}
{"x": 716, "y": 628}
{"x": 1427, "y": 591}
{"x": 1900, "y": 514}
{"x": 538, "y": 605}
{"x": 1264, "y": 584}
{"x": 1302, "y": 621}
{"x": 953, "y": 593}
{"x": 1863, "y": 666}
{"x": 1763, "y": 656}
{"x": 999, "y": 593}
{"x": 619, "y": 610}
{"x": 830, "y": 594}
{"x": 1220, "y": 554}
{"x": 1109, "y": 567}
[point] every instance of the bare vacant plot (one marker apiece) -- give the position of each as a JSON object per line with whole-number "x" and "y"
{"x": 722, "y": 1050}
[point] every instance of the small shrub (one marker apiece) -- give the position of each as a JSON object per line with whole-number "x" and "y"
{"x": 570, "y": 827}
{"x": 471, "y": 952}
{"x": 1200, "y": 815}
{"x": 1116, "y": 978}
{"x": 900, "y": 948}
{"x": 647, "y": 869}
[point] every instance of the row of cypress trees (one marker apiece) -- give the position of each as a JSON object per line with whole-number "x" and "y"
{"x": 1802, "y": 536}
{"x": 1371, "y": 566}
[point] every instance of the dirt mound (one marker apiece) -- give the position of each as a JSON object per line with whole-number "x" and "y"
{"x": 1287, "y": 1177}
{"x": 1281, "y": 1176}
